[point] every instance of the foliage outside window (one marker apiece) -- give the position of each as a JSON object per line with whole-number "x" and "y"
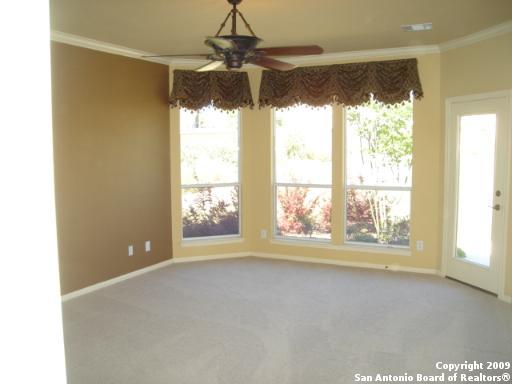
{"x": 210, "y": 186}
{"x": 378, "y": 158}
{"x": 303, "y": 172}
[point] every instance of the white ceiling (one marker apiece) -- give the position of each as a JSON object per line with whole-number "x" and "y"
{"x": 174, "y": 26}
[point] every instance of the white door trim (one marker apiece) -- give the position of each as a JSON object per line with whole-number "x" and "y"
{"x": 450, "y": 160}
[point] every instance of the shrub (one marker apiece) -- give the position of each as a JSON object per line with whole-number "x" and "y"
{"x": 208, "y": 216}
{"x": 296, "y": 214}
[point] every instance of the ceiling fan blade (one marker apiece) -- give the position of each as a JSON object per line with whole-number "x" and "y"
{"x": 210, "y": 66}
{"x": 220, "y": 42}
{"x": 269, "y": 63}
{"x": 196, "y": 55}
{"x": 300, "y": 50}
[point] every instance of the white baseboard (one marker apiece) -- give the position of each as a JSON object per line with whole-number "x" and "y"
{"x": 115, "y": 280}
{"x": 303, "y": 259}
{"x": 505, "y": 298}
{"x": 191, "y": 259}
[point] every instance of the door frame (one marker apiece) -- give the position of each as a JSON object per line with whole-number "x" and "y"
{"x": 450, "y": 185}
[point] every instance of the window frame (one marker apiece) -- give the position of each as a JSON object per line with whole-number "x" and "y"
{"x": 371, "y": 187}
{"x": 215, "y": 238}
{"x": 276, "y": 185}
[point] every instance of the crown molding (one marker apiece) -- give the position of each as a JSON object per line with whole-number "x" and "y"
{"x": 365, "y": 54}
{"x": 84, "y": 42}
{"x": 485, "y": 34}
{"x": 325, "y": 58}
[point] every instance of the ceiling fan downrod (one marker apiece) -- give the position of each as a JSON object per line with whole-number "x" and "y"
{"x": 233, "y": 13}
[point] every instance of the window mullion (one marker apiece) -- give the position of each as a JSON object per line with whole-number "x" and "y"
{"x": 378, "y": 187}
{"x": 304, "y": 185}
{"x": 209, "y": 185}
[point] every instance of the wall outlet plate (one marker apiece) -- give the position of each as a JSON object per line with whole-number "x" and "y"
{"x": 130, "y": 250}
{"x": 147, "y": 246}
{"x": 420, "y": 245}
{"x": 263, "y": 233}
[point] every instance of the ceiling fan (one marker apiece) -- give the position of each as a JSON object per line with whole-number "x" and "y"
{"x": 234, "y": 50}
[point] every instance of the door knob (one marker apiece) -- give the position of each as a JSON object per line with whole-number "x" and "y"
{"x": 496, "y": 207}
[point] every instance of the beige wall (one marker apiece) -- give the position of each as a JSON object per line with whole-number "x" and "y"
{"x": 257, "y": 177}
{"x": 111, "y": 138}
{"x": 477, "y": 68}
{"x": 481, "y": 67}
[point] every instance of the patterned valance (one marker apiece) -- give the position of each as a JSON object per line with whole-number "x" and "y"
{"x": 389, "y": 82}
{"x": 224, "y": 90}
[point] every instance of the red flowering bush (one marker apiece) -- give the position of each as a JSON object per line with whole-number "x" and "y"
{"x": 301, "y": 214}
{"x": 296, "y": 214}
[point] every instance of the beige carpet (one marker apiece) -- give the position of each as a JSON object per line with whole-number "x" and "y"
{"x": 246, "y": 321}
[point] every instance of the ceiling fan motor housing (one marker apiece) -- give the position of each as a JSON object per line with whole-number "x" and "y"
{"x": 244, "y": 45}
{"x": 234, "y": 60}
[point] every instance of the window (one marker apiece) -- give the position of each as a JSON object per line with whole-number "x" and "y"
{"x": 378, "y": 161}
{"x": 302, "y": 172}
{"x": 210, "y": 188}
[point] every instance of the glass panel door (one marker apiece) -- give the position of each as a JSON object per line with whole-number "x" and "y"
{"x": 476, "y": 194}
{"x": 477, "y": 142}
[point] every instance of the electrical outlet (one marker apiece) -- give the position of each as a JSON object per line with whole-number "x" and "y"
{"x": 148, "y": 246}
{"x": 420, "y": 245}
{"x": 263, "y": 233}
{"x": 130, "y": 250}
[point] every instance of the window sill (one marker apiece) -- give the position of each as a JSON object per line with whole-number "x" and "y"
{"x": 204, "y": 241}
{"x": 326, "y": 244}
